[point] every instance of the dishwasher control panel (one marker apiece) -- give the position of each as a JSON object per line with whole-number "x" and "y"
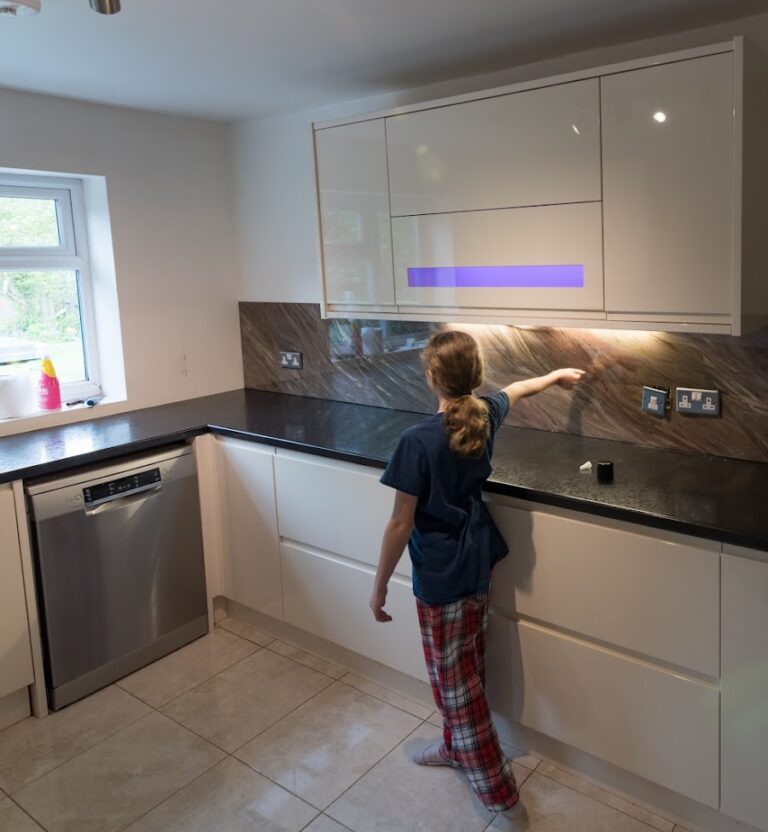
{"x": 124, "y": 485}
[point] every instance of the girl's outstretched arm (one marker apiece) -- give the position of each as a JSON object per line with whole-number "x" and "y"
{"x": 566, "y": 377}
{"x": 396, "y": 536}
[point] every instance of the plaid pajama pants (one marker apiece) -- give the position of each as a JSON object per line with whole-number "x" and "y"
{"x": 453, "y": 636}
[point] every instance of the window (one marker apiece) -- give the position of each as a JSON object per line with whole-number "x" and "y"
{"x": 45, "y": 292}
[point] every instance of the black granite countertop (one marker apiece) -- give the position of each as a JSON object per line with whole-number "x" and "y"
{"x": 707, "y": 496}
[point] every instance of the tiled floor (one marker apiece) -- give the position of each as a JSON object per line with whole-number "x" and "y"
{"x": 239, "y": 731}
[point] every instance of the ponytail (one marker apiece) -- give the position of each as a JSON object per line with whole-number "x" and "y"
{"x": 466, "y": 422}
{"x": 455, "y": 366}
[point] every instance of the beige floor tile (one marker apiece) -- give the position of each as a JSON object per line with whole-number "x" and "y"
{"x": 231, "y": 798}
{"x": 379, "y": 692}
{"x": 116, "y": 782}
{"x": 307, "y": 659}
{"x": 552, "y": 807}
{"x": 12, "y": 819}
{"x": 325, "y": 824}
{"x": 606, "y": 797}
{"x": 159, "y": 683}
{"x": 436, "y": 720}
{"x": 240, "y": 628}
{"x": 319, "y": 750}
{"x": 33, "y": 747}
{"x": 397, "y": 795}
{"x": 235, "y": 706}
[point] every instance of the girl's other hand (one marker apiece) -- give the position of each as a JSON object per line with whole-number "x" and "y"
{"x": 378, "y": 600}
{"x": 569, "y": 377}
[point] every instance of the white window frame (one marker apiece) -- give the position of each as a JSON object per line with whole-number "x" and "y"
{"x": 71, "y": 253}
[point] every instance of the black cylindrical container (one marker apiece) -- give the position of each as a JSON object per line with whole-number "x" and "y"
{"x": 604, "y": 471}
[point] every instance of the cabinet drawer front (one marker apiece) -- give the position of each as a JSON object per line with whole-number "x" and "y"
{"x": 643, "y": 719}
{"x": 745, "y": 688}
{"x": 337, "y": 507}
{"x": 647, "y": 595}
{"x": 520, "y": 258}
{"x": 329, "y": 598}
{"x": 668, "y": 187}
{"x": 15, "y": 652}
{"x": 354, "y": 213}
{"x": 540, "y": 147}
{"x": 249, "y": 533}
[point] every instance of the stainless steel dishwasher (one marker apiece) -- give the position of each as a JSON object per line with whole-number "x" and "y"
{"x": 120, "y": 570}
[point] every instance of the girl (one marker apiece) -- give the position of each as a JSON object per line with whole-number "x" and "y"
{"x": 438, "y": 470}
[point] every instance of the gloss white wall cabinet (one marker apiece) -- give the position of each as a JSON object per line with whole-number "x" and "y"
{"x": 553, "y": 252}
{"x": 745, "y": 687}
{"x": 653, "y": 596}
{"x": 328, "y": 597}
{"x": 540, "y": 147}
{"x": 249, "y": 538}
{"x": 668, "y": 179}
{"x": 334, "y": 506}
{"x": 16, "y": 669}
{"x": 629, "y": 196}
{"x": 354, "y": 214}
{"x": 649, "y": 721}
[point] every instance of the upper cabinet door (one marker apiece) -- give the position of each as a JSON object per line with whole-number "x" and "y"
{"x": 354, "y": 214}
{"x": 668, "y": 188}
{"x": 540, "y": 147}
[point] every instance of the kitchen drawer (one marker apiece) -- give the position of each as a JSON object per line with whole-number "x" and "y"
{"x": 335, "y": 506}
{"x": 642, "y": 593}
{"x": 647, "y": 720}
{"x": 328, "y": 597}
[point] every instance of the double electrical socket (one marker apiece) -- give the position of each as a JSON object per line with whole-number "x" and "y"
{"x": 291, "y": 360}
{"x": 690, "y": 401}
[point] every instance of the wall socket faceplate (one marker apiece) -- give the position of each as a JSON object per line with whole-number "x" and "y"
{"x": 697, "y": 402}
{"x": 291, "y": 360}
{"x": 655, "y": 401}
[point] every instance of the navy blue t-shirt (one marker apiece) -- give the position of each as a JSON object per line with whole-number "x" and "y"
{"x": 455, "y": 542}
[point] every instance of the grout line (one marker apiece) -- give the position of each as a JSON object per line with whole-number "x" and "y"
{"x": 86, "y": 750}
{"x": 384, "y": 701}
{"x": 594, "y": 799}
{"x": 28, "y": 814}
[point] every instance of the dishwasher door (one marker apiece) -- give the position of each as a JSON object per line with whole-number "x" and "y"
{"x": 120, "y": 569}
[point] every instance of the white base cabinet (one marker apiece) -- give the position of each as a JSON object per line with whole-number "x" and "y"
{"x": 648, "y": 721}
{"x": 328, "y": 597}
{"x": 16, "y": 670}
{"x": 745, "y": 689}
{"x": 250, "y": 541}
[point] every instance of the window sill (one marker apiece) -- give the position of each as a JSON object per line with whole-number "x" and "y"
{"x": 65, "y": 415}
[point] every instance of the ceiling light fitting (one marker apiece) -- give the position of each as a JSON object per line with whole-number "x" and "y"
{"x": 106, "y": 6}
{"x": 19, "y": 8}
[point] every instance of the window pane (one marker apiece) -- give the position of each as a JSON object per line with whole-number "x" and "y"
{"x": 40, "y": 314}
{"x": 28, "y": 222}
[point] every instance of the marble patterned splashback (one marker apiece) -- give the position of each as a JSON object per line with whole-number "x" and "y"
{"x": 378, "y": 363}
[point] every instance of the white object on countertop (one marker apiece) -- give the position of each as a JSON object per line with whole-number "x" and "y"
{"x": 586, "y": 467}
{"x": 17, "y": 396}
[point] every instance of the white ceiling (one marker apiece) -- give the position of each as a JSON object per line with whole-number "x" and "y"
{"x": 231, "y": 59}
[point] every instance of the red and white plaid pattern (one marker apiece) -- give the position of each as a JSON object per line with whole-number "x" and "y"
{"x": 453, "y": 636}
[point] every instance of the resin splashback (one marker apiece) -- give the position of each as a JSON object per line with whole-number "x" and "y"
{"x": 378, "y": 363}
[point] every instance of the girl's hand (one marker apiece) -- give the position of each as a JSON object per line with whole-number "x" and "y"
{"x": 378, "y": 599}
{"x": 569, "y": 377}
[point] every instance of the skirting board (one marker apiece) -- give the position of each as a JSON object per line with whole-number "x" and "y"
{"x": 14, "y": 708}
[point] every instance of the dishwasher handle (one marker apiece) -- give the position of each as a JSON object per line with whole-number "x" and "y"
{"x": 115, "y": 501}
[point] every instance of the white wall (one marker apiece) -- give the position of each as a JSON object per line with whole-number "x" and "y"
{"x": 274, "y": 170}
{"x": 170, "y": 197}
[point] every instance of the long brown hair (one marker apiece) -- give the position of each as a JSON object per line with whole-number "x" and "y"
{"x": 455, "y": 364}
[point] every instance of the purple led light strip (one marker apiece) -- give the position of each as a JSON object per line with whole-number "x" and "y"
{"x": 497, "y": 277}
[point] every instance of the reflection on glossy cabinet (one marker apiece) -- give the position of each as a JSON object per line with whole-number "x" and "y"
{"x": 15, "y": 651}
{"x": 328, "y": 597}
{"x": 668, "y": 174}
{"x": 354, "y": 213}
{"x": 250, "y": 541}
{"x": 335, "y": 506}
{"x": 539, "y": 147}
{"x": 646, "y": 720}
{"x": 548, "y": 257}
{"x": 745, "y": 689}
{"x": 655, "y": 597}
